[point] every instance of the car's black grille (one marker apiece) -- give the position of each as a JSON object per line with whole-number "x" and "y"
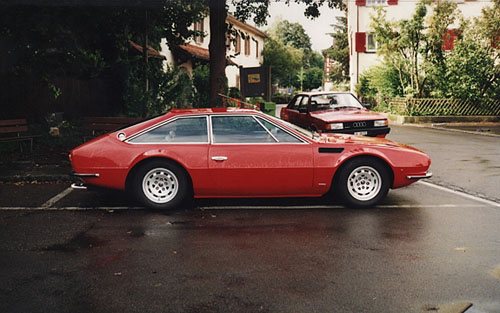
{"x": 358, "y": 124}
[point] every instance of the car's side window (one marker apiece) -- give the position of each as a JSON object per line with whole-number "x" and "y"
{"x": 294, "y": 105}
{"x": 278, "y": 133}
{"x": 182, "y": 130}
{"x": 239, "y": 129}
{"x": 303, "y": 103}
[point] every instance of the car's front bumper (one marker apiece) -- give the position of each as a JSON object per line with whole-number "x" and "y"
{"x": 426, "y": 175}
{"x": 371, "y": 132}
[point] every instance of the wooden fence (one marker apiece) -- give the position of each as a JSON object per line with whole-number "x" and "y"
{"x": 450, "y": 107}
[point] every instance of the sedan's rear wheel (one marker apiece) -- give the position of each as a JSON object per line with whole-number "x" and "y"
{"x": 160, "y": 184}
{"x": 363, "y": 182}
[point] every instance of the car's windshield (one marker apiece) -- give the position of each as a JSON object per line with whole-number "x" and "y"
{"x": 334, "y": 101}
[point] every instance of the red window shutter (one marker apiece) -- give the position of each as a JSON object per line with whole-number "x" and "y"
{"x": 392, "y": 2}
{"x": 449, "y": 39}
{"x": 360, "y": 2}
{"x": 360, "y": 42}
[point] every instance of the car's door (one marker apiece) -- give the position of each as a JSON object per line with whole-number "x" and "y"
{"x": 251, "y": 156}
{"x": 303, "y": 117}
{"x": 291, "y": 112}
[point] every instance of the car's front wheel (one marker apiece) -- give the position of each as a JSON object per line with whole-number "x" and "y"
{"x": 161, "y": 184}
{"x": 363, "y": 182}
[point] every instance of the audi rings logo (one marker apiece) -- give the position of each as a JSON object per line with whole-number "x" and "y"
{"x": 359, "y": 124}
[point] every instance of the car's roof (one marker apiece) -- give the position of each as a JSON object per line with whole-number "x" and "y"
{"x": 210, "y": 111}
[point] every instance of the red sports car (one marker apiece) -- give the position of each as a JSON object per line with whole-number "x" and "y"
{"x": 334, "y": 112}
{"x": 212, "y": 153}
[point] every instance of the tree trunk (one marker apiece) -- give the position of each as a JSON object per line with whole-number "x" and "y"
{"x": 217, "y": 49}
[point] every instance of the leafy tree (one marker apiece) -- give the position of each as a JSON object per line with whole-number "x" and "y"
{"x": 316, "y": 60}
{"x": 291, "y": 34}
{"x": 339, "y": 51}
{"x": 412, "y": 47}
{"x": 87, "y": 42}
{"x": 472, "y": 69}
{"x": 284, "y": 61}
{"x": 244, "y": 9}
{"x": 313, "y": 78}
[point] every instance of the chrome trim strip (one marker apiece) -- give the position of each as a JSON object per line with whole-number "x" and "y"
{"x": 265, "y": 128}
{"x": 85, "y": 174}
{"x": 160, "y": 124}
{"x": 427, "y": 175}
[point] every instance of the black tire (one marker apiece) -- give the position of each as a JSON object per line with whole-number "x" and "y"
{"x": 362, "y": 182}
{"x": 161, "y": 185}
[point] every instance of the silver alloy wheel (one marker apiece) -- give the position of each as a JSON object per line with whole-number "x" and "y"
{"x": 364, "y": 183}
{"x": 160, "y": 185}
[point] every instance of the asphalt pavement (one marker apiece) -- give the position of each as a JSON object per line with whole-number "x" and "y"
{"x": 430, "y": 247}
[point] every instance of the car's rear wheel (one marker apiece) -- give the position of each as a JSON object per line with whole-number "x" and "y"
{"x": 160, "y": 184}
{"x": 363, "y": 182}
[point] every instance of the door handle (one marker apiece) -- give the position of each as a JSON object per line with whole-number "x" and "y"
{"x": 219, "y": 158}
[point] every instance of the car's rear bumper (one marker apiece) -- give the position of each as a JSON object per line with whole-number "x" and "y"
{"x": 85, "y": 175}
{"x": 371, "y": 132}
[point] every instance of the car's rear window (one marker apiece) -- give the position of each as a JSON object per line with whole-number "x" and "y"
{"x": 181, "y": 130}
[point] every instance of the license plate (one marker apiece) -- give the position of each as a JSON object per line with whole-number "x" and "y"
{"x": 360, "y": 133}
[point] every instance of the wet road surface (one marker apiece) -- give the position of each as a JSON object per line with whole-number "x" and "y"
{"x": 91, "y": 251}
{"x": 426, "y": 248}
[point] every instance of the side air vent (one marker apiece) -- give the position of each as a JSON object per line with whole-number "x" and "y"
{"x": 331, "y": 150}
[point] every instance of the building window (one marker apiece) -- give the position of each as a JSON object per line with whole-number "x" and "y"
{"x": 256, "y": 49}
{"x": 376, "y": 2}
{"x": 371, "y": 43}
{"x": 199, "y": 26}
{"x": 237, "y": 44}
{"x": 247, "y": 46}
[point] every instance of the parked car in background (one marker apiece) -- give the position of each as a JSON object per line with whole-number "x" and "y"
{"x": 237, "y": 153}
{"x": 334, "y": 112}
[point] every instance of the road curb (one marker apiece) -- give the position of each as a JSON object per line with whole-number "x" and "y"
{"x": 452, "y": 130}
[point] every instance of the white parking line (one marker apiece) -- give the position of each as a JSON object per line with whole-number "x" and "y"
{"x": 48, "y": 206}
{"x": 41, "y": 208}
{"x": 249, "y": 207}
{"x": 56, "y": 198}
{"x": 460, "y": 193}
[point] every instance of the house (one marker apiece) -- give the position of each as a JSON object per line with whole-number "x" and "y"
{"x": 362, "y": 45}
{"x": 244, "y": 49}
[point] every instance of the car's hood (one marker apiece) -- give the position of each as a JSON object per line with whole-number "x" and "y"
{"x": 363, "y": 140}
{"x": 347, "y": 115}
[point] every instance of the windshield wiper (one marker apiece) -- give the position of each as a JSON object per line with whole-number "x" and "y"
{"x": 346, "y": 107}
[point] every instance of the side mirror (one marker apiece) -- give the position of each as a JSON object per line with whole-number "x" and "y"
{"x": 367, "y": 105}
{"x": 302, "y": 110}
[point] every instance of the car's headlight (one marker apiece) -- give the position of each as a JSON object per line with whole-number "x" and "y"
{"x": 335, "y": 126}
{"x": 380, "y": 123}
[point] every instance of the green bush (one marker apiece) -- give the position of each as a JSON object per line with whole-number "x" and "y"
{"x": 281, "y": 98}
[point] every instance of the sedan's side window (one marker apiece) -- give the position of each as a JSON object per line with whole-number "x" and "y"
{"x": 182, "y": 130}
{"x": 303, "y": 103}
{"x": 239, "y": 129}
{"x": 294, "y": 105}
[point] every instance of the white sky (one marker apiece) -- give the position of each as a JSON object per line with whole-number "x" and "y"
{"x": 317, "y": 29}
